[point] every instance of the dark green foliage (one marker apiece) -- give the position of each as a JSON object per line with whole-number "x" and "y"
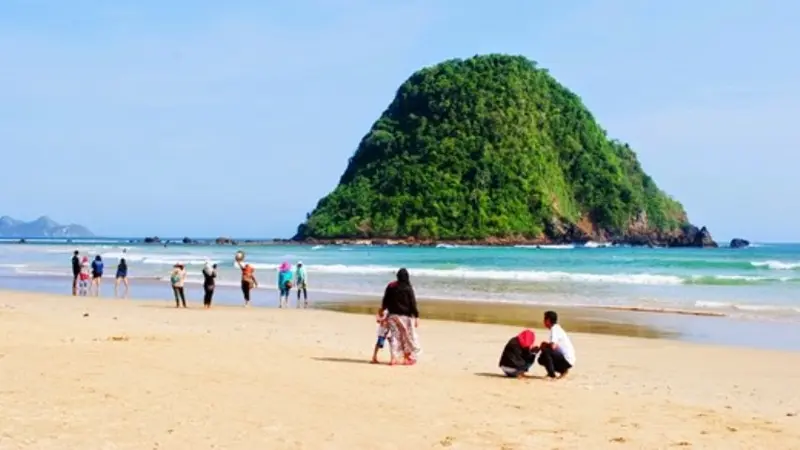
{"x": 485, "y": 147}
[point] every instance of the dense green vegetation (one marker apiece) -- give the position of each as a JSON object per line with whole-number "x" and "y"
{"x": 491, "y": 146}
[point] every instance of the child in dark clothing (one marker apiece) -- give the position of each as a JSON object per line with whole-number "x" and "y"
{"x": 519, "y": 354}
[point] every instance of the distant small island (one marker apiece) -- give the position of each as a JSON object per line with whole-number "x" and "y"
{"x": 492, "y": 150}
{"x": 41, "y": 227}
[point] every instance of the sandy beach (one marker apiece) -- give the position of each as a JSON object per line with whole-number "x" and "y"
{"x": 114, "y": 374}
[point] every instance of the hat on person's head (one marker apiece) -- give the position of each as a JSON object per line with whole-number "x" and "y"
{"x": 299, "y": 263}
{"x": 285, "y": 266}
{"x": 526, "y": 338}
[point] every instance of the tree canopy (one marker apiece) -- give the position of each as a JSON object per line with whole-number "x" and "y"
{"x": 489, "y": 146}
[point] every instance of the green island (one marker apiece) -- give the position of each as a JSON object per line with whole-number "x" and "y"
{"x": 493, "y": 150}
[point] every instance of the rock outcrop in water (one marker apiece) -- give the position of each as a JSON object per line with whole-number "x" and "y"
{"x": 739, "y": 243}
{"x": 493, "y": 150}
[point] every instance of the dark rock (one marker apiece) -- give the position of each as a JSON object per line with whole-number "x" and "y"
{"x": 187, "y": 240}
{"x": 739, "y": 243}
{"x": 152, "y": 240}
{"x": 223, "y": 241}
{"x": 691, "y": 236}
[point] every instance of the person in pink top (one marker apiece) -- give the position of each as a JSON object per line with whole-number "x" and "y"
{"x": 84, "y": 277}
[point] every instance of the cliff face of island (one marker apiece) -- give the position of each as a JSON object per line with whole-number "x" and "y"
{"x": 43, "y": 227}
{"x": 493, "y": 150}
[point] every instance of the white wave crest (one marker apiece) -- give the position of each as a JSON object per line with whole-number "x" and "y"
{"x": 592, "y": 244}
{"x": 710, "y": 304}
{"x": 159, "y": 259}
{"x": 488, "y": 274}
{"x": 776, "y": 265}
{"x": 548, "y": 247}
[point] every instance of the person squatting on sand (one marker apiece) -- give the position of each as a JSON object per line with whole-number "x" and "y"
{"x": 177, "y": 278}
{"x": 209, "y": 282}
{"x": 285, "y": 276}
{"x": 519, "y": 354}
{"x": 403, "y": 317}
{"x": 301, "y": 281}
{"x": 121, "y": 276}
{"x": 557, "y": 355}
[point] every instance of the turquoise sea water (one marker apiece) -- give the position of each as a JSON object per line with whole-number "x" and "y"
{"x": 760, "y": 282}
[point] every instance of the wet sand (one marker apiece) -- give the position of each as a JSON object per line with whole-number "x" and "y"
{"x": 98, "y": 373}
{"x": 581, "y": 320}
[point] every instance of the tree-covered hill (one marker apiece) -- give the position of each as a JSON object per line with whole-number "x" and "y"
{"x": 492, "y": 148}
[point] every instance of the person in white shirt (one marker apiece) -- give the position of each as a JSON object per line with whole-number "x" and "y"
{"x": 557, "y": 355}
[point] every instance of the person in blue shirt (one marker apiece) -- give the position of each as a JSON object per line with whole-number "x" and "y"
{"x": 97, "y": 274}
{"x": 122, "y": 277}
{"x": 285, "y": 276}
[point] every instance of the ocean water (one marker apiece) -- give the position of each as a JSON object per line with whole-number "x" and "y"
{"x": 761, "y": 282}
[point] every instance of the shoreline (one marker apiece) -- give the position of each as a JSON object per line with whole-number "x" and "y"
{"x": 684, "y": 326}
{"x": 367, "y": 242}
{"x": 238, "y": 378}
{"x": 698, "y": 329}
{"x": 161, "y": 280}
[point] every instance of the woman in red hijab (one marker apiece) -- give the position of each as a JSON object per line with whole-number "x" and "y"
{"x": 519, "y": 354}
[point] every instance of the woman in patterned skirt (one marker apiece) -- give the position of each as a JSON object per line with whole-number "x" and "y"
{"x": 401, "y": 304}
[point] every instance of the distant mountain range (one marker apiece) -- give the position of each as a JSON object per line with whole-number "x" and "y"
{"x": 41, "y": 227}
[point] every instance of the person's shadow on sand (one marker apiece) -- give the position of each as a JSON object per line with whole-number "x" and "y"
{"x": 500, "y": 375}
{"x": 342, "y": 360}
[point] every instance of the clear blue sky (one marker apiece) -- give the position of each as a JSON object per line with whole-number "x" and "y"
{"x": 215, "y": 118}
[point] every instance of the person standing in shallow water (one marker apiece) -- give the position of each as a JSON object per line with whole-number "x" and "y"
{"x": 301, "y": 282}
{"x": 209, "y": 283}
{"x": 97, "y": 274}
{"x": 76, "y": 272}
{"x": 249, "y": 281}
{"x": 177, "y": 278}
{"x": 121, "y": 277}
{"x": 285, "y": 276}
{"x": 84, "y": 277}
{"x": 401, "y": 303}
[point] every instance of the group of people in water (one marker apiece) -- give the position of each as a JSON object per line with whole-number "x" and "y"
{"x": 87, "y": 277}
{"x": 287, "y": 278}
{"x": 397, "y": 318}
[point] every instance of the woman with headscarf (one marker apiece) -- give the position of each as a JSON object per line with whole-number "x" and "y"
{"x": 519, "y": 354}
{"x": 285, "y": 276}
{"x": 177, "y": 278}
{"x": 249, "y": 281}
{"x": 401, "y": 304}
{"x": 209, "y": 282}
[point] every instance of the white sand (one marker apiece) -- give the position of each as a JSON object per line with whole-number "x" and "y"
{"x": 143, "y": 375}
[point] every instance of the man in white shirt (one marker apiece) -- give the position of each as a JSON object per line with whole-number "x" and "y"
{"x": 557, "y": 355}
